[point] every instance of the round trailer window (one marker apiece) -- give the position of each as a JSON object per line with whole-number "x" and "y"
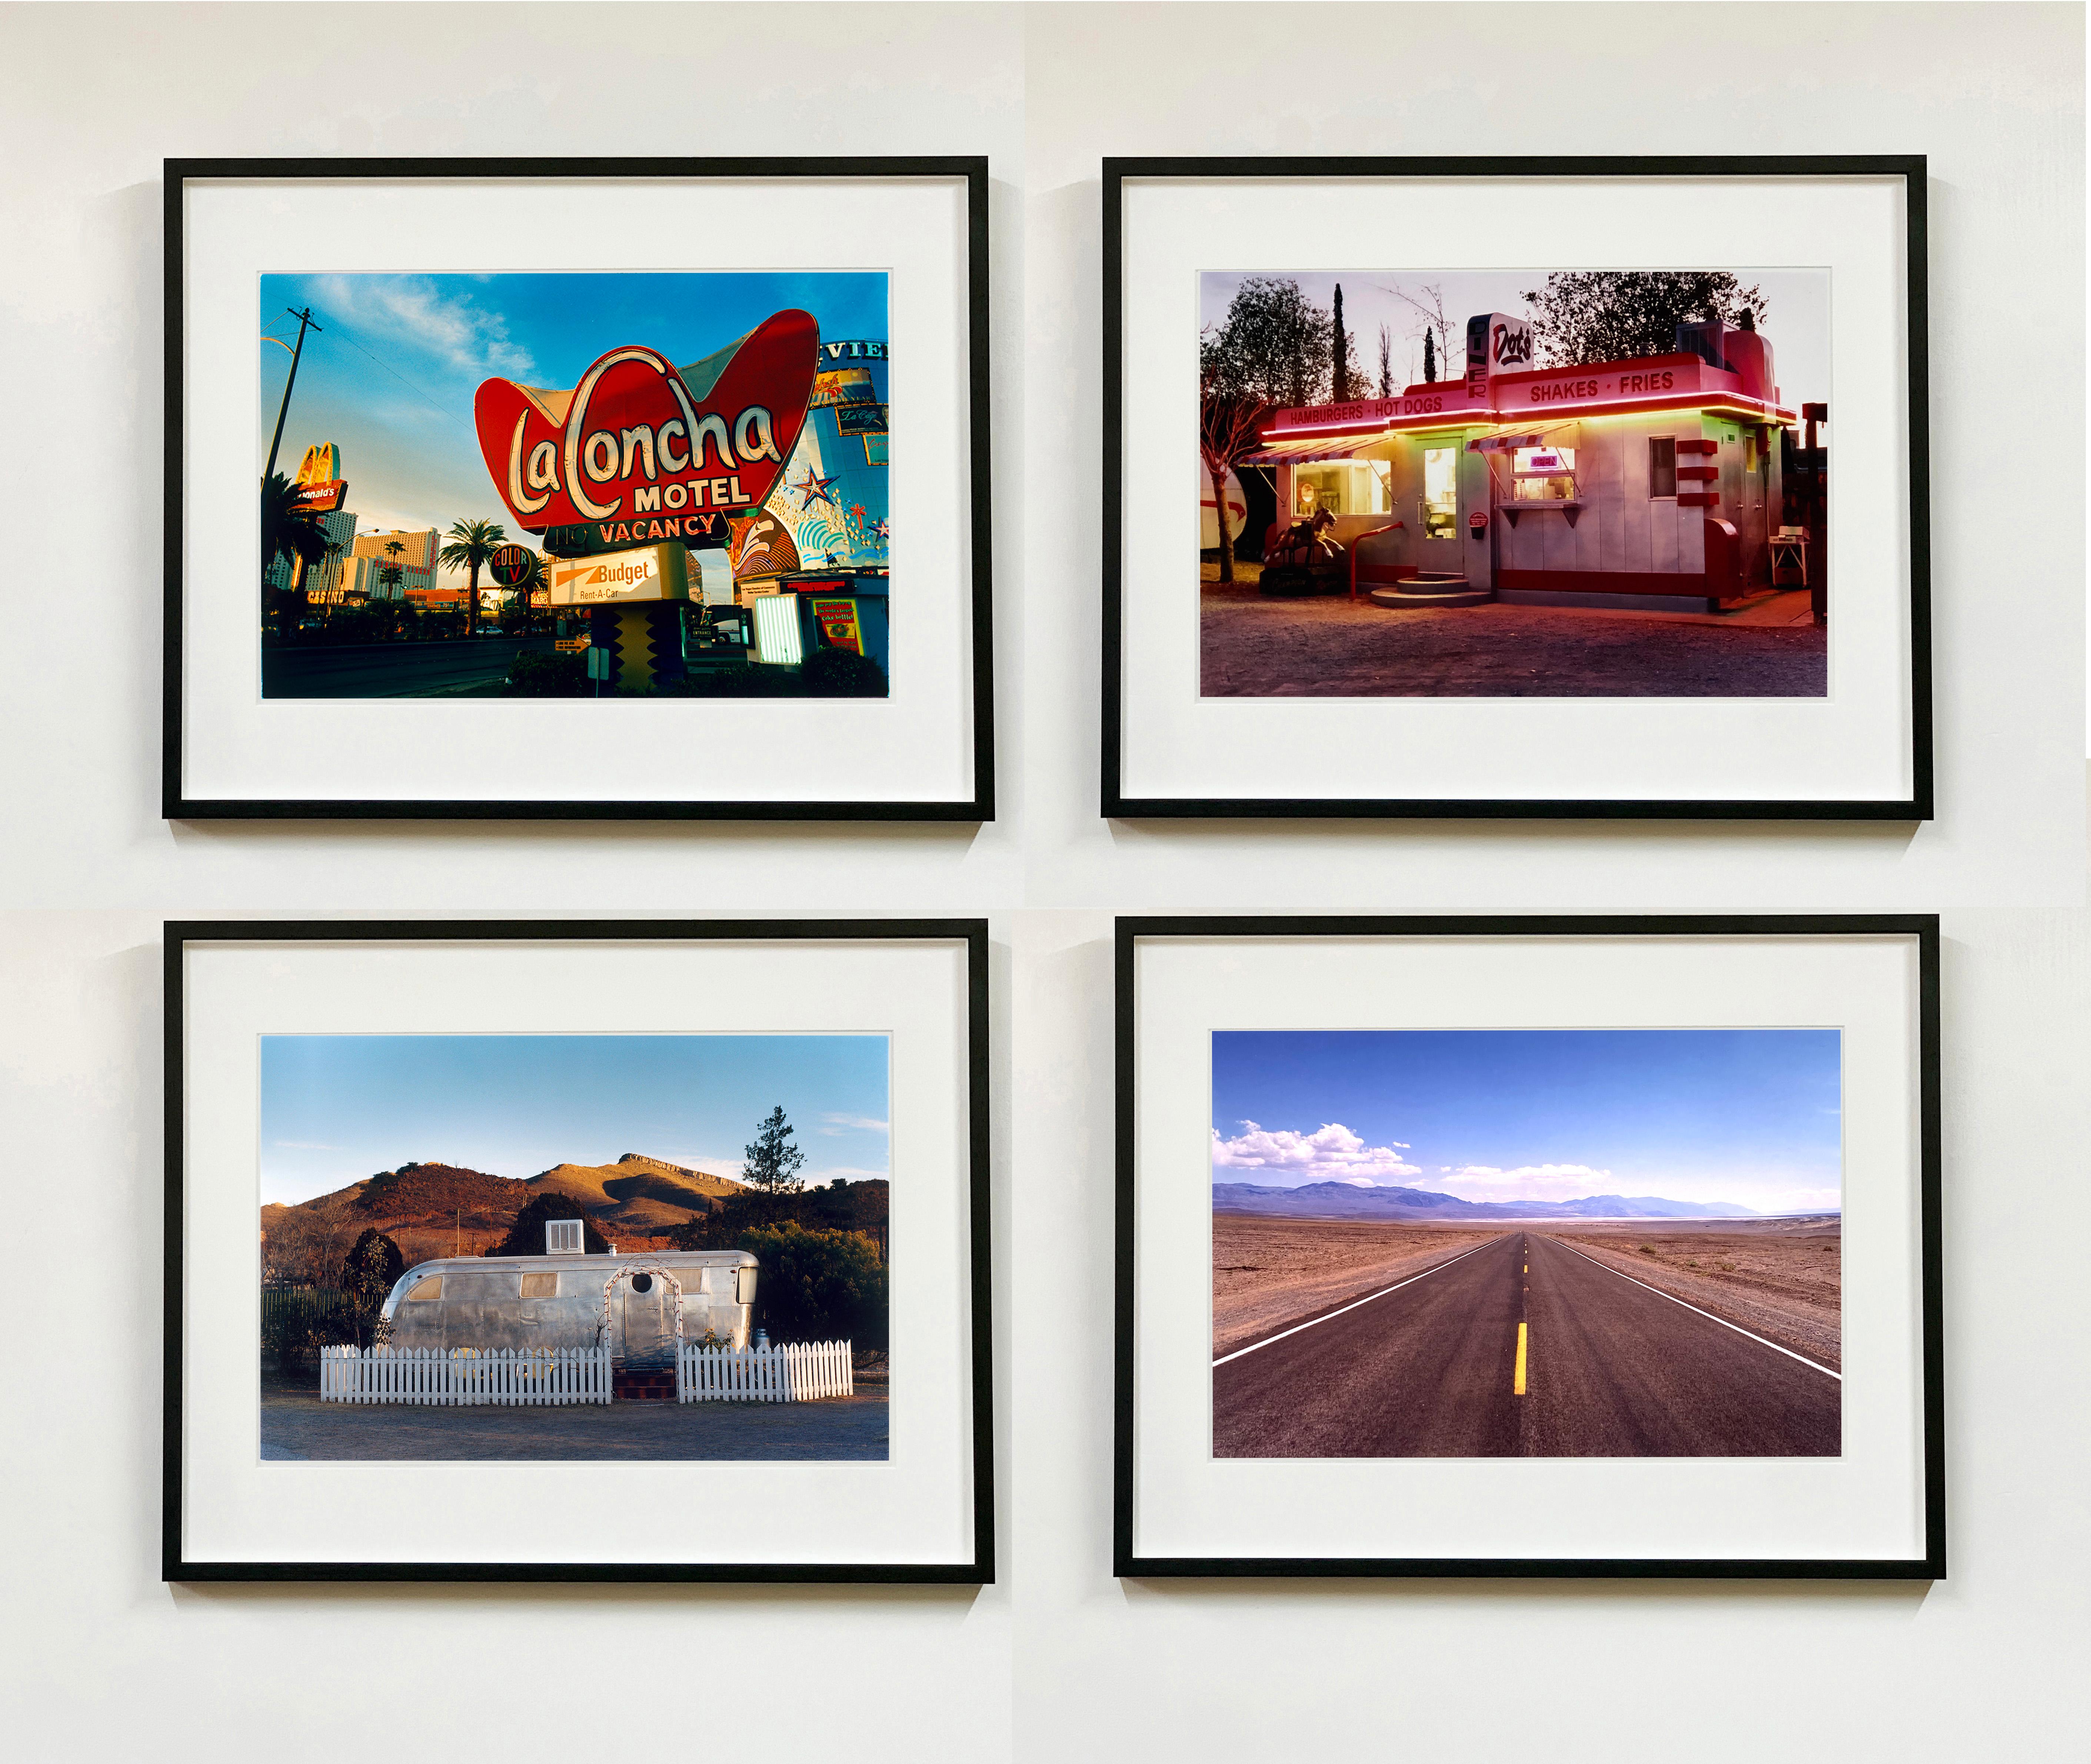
{"x": 642, "y": 1283}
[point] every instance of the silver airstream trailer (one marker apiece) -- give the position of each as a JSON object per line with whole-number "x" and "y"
{"x": 629, "y": 1303}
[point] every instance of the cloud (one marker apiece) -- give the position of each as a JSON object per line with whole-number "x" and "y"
{"x": 1527, "y": 1182}
{"x": 410, "y": 310}
{"x": 1333, "y": 1153}
{"x": 306, "y": 1145}
{"x": 839, "y": 1124}
{"x": 848, "y": 1172}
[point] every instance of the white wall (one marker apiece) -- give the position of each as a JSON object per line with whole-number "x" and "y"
{"x": 98, "y": 1658}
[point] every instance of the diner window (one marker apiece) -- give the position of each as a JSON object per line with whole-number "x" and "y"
{"x": 1544, "y": 474}
{"x": 1662, "y": 465}
{"x": 1441, "y": 493}
{"x": 1347, "y": 487}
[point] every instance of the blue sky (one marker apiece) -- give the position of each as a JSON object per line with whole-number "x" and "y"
{"x": 337, "y": 1108}
{"x": 391, "y": 376}
{"x": 1797, "y": 324}
{"x": 1747, "y": 1115}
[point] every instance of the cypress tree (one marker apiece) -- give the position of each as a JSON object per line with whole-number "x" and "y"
{"x": 1339, "y": 353}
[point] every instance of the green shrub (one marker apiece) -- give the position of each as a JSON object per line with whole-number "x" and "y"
{"x": 842, "y": 673}
{"x": 735, "y": 682}
{"x": 561, "y": 675}
{"x": 818, "y": 1285}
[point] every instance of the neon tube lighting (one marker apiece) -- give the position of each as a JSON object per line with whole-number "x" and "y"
{"x": 1735, "y": 403}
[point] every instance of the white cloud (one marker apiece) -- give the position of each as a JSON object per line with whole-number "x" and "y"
{"x": 1527, "y": 1182}
{"x": 838, "y": 1124}
{"x": 848, "y": 1172}
{"x": 409, "y": 310}
{"x": 306, "y": 1145}
{"x": 1333, "y": 1153}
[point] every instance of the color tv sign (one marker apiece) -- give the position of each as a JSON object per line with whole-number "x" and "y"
{"x": 639, "y": 436}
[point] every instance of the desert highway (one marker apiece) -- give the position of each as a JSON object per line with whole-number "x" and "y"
{"x": 1521, "y": 1348}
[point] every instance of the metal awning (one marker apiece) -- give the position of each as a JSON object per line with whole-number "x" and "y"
{"x": 1312, "y": 452}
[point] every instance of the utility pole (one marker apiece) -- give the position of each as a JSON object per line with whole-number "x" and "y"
{"x": 304, "y": 319}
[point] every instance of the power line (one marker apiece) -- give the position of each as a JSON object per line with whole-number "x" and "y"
{"x": 420, "y": 391}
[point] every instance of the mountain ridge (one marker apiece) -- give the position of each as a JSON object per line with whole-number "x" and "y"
{"x": 1347, "y": 1200}
{"x": 638, "y": 1193}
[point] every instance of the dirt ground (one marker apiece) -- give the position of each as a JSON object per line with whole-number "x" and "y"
{"x": 1328, "y": 646}
{"x": 1781, "y": 1279}
{"x": 1268, "y": 1272}
{"x": 296, "y": 1425}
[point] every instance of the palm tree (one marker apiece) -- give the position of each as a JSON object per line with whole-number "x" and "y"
{"x": 472, "y": 543}
{"x": 290, "y": 532}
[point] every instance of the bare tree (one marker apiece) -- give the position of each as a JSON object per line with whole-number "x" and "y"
{"x": 304, "y": 1248}
{"x": 1227, "y": 431}
{"x": 1430, "y": 305}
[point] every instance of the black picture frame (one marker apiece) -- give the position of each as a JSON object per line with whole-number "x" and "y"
{"x": 1923, "y": 927}
{"x": 1911, "y": 168}
{"x": 979, "y": 1570}
{"x": 979, "y": 807}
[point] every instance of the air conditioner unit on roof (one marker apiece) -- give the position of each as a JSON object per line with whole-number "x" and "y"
{"x": 563, "y": 1237}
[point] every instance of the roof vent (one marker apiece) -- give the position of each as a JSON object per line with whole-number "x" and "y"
{"x": 563, "y": 1237}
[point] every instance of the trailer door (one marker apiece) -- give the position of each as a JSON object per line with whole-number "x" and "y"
{"x": 649, "y": 1329}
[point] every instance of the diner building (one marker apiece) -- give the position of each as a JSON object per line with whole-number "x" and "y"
{"x": 1653, "y": 483}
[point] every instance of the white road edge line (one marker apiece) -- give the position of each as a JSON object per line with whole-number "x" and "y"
{"x": 1353, "y": 1304}
{"x": 1709, "y": 1316}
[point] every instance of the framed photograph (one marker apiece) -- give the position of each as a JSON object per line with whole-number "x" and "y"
{"x": 1513, "y": 487}
{"x": 583, "y": 487}
{"x": 587, "y": 1250}
{"x": 1518, "y": 1246}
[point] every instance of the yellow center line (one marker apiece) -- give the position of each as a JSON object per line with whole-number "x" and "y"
{"x": 1517, "y": 1382}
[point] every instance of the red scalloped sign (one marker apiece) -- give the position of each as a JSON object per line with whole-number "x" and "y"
{"x": 633, "y": 438}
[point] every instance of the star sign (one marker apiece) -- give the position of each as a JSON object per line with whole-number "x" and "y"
{"x": 813, "y": 488}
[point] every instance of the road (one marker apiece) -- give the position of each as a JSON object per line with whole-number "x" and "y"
{"x": 1609, "y": 1368}
{"x": 390, "y": 670}
{"x": 296, "y": 1425}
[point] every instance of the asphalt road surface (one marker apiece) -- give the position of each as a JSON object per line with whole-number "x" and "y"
{"x": 390, "y": 670}
{"x": 1605, "y": 1367}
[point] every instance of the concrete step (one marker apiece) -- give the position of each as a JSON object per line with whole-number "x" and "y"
{"x": 1418, "y": 594}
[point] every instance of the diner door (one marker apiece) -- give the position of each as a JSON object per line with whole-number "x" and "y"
{"x": 1438, "y": 551}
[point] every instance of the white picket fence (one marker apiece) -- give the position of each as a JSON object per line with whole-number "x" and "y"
{"x": 462, "y": 1375}
{"x": 792, "y": 1372}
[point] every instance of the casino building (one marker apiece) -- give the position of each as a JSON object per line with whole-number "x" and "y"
{"x": 1654, "y": 482}
{"x": 416, "y": 560}
{"x": 821, "y": 534}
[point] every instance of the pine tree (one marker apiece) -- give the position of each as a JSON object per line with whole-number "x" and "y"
{"x": 1429, "y": 358}
{"x": 771, "y": 1158}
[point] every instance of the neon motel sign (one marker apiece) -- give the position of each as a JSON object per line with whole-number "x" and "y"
{"x": 638, "y": 435}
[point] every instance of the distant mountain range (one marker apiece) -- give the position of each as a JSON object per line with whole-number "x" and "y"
{"x": 1346, "y": 1200}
